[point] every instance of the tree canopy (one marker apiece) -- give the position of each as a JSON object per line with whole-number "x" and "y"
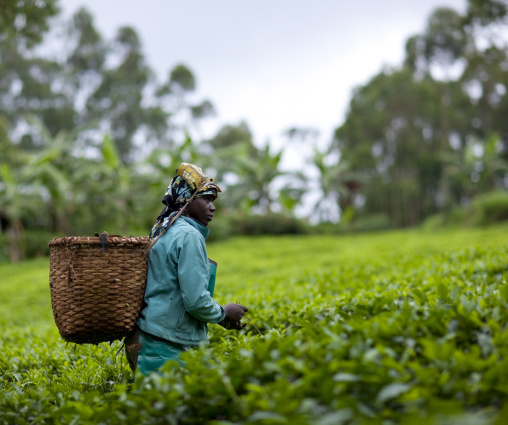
{"x": 92, "y": 136}
{"x": 25, "y": 22}
{"x": 411, "y": 128}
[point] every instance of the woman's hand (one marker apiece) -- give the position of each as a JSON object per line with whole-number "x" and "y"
{"x": 235, "y": 325}
{"x": 232, "y": 325}
{"x": 234, "y": 314}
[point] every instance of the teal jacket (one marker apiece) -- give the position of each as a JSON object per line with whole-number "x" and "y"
{"x": 178, "y": 302}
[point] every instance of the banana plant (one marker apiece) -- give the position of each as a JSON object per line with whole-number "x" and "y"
{"x": 13, "y": 201}
{"x": 54, "y": 169}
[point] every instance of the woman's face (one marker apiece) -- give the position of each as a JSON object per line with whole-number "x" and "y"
{"x": 201, "y": 209}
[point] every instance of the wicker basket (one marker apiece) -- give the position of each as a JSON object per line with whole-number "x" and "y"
{"x": 97, "y": 286}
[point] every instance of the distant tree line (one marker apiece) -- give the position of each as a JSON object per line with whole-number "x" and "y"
{"x": 432, "y": 133}
{"x": 89, "y": 136}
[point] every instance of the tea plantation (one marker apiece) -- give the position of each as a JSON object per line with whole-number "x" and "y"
{"x": 399, "y": 327}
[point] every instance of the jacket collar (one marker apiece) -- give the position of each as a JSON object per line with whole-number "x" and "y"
{"x": 198, "y": 226}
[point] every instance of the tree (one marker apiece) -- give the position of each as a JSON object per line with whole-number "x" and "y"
{"x": 250, "y": 175}
{"x": 29, "y": 86}
{"x": 11, "y": 198}
{"x": 442, "y": 44}
{"x": 340, "y": 186}
{"x": 13, "y": 201}
{"x": 390, "y": 125}
{"x": 117, "y": 100}
{"x": 53, "y": 167}
{"x": 25, "y": 22}
{"x": 173, "y": 95}
{"x": 486, "y": 12}
{"x": 410, "y": 128}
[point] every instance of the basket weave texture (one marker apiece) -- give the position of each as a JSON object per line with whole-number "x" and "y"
{"x": 97, "y": 286}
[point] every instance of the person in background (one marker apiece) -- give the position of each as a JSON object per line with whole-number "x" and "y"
{"x": 178, "y": 301}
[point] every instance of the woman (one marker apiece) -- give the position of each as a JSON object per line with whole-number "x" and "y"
{"x": 178, "y": 301}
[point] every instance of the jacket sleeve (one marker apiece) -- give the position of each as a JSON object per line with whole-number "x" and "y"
{"x": 193, "y": 277}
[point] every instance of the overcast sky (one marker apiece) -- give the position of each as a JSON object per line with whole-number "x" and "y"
{"x": 274, "y": 64}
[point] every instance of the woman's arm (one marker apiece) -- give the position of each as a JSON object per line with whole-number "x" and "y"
{"x": 193, "y": 276}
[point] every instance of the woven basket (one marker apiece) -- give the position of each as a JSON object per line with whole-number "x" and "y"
{"x": 97, "y": 286}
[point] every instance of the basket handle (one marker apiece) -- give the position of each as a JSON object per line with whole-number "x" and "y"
{"x": 152, "y": 243}
{"x": 104, "y": 239}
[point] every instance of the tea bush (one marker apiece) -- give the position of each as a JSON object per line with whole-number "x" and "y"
{"x": 396, "y": 327}
{"x": 490, "y": 207}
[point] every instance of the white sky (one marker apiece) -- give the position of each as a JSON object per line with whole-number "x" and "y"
{"x": 276, "y": 63}
{"x": 272, "y": 63}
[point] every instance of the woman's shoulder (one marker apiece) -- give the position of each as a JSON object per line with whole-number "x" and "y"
{"x": 181, "y": 228}
{"x": 179, "y": 235}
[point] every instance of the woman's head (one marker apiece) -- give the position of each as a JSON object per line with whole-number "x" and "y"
{"x": 201, "y": 209}
{"x": 180, "y": 191}
{"x": 189, "y": 183}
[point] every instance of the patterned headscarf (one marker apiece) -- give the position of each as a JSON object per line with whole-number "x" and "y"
{"x": 190, "y": 179}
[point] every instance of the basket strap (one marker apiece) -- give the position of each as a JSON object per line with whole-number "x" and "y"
{"x": 104, "y": 239}
{"x": 70, "y": 268}
{"x": 107, "y": 234}
{"x": 152, "y": 243}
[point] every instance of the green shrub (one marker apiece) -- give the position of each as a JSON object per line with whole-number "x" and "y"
{"x": 36, "y": 243}
{"x": 365, "y": 223}
{"x": 220, "y": 228}
{"x": 490, "y": 207}
{"x": 270, "y": 224}
{"x": 4, "y": 244}
{"x": 401, "y": 327}
{"x": 454, "y": 218}
{"x": 433, "y": 222}
{"x": 372, "y": 222}
{"x": 325, "y": 228}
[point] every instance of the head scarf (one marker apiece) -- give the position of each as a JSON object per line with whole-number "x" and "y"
{"x": 190, "y": 179}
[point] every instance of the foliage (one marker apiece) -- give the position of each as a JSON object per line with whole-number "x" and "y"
{"x": 485, "y": 12}
{"x": 36, "y": 243}
{"x": 92, "y": 137}
{"x": 251, "y": 174}
{"x": 411, "y": 129}
{"x": 369, "y": 223}
{"x": 71, "y": 147}
{"x": 108, "y": 81}
{"x": 227, "y": 226}
{"x": 489, "y": 207}
{"x": 25, "y": 21}
{"x": 399, "y": 327}
{"x": 268, "y": 224}
{"x": 452, "y": 219}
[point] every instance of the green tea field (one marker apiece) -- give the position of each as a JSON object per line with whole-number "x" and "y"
{"x": 403, "y": 327}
